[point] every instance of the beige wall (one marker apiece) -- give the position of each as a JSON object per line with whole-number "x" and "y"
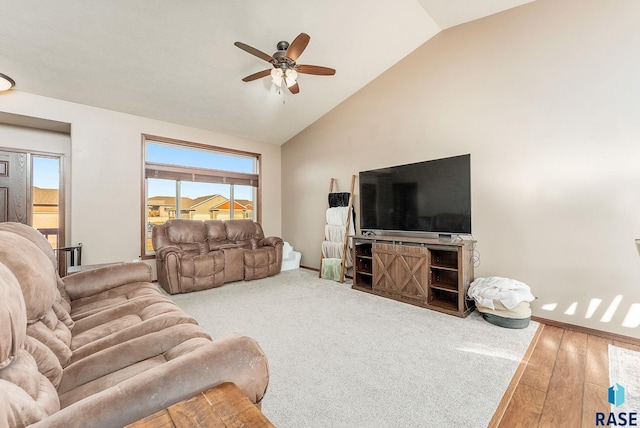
{"x": 546, "y": 100}
{"x": 106, "y": 167}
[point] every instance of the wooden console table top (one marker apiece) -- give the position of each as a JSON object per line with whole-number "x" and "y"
{"x": 224, "y": 406}
{"x": 399, "y": 239}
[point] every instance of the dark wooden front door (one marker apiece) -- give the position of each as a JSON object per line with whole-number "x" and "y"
{"x": 15, "y": 195}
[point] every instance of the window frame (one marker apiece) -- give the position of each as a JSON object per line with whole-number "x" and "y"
{"x": 195, "y": 174}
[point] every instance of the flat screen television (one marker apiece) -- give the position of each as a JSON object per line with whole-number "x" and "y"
{"x": 425, "y": 197}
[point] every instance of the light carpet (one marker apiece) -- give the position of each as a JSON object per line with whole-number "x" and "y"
{"x": 624, "y": 369}
{"x": 343, "y": 358}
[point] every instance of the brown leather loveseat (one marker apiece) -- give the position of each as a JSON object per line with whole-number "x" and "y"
{"x": 194, "y": 255}
{"x": 102, "y": 348}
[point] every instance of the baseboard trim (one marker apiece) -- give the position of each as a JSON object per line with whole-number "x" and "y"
{"x": 318, "y": 270}
{"x": 587, "y": 330}
{"x": 515, "y": 380}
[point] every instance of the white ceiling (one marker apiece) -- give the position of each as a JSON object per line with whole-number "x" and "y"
{"x": 175, "y": 60}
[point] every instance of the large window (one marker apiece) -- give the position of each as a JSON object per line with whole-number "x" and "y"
{"x": 196, "y": 181}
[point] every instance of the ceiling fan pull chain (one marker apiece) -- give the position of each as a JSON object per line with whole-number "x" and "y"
{"x": 284, "y": 85}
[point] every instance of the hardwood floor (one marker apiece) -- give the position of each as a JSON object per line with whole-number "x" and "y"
{"x": 561, "y": 382}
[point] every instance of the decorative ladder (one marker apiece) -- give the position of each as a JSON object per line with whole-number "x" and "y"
{"x": 345, "y": 246}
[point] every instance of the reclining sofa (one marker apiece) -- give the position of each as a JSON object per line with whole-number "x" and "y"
{"x": 194, "y": 255}
{"x": 102, "y": 348}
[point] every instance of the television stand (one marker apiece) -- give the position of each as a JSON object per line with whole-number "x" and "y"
{"x": 424, "y": 272}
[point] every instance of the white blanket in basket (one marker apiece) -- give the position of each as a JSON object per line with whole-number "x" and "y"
{"x": 508, "y": 291}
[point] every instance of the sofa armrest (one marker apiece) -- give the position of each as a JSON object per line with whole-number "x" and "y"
{"x": 92, "y": 282}
{"x": 236, "y": 359}
{"x": 271, "y": 241}
{"x": 161, "y": 253}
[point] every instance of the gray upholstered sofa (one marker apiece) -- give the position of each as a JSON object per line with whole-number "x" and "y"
{"x": 102, "y": 348}
{"x": 194, "y": 255}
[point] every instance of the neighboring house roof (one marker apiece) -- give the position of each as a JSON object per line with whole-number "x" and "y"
{"x": 215, "y": 201}
{"x": 169, "y": 201}
{"x": 203, "y": 199}
{"x": 246, "y": 203}
{"x": 227, "y": 205}
{"x": 45, "y": 197}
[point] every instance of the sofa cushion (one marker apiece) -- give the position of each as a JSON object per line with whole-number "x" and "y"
{"x": 13, "y": 317}
{"x": 26, "y": 396}
{"x": 94, "y": 290}
{"x": 17, "y": 408}
{"x": 193, "y": 365}
{"x": 115, "y": 364}
{"x": 37, "y": 279}
{"x": 45, "y": 359}
{"x": 36, "y": 238}
{"x": 190, "y": 248}
{"x": 243, "y": 230}
{"x": 34, "y": 273}
{"x": 54, "y": 334}
{"x": 32, "y": 235}
{"x": 104, "y": 328}
{"x": 217, "y": 235}
{"x": 201, "y": 272}
{"x": 23, "y": 372}
{"x": 260, "y": 263}
{"x": 87, "y": 306}
{"x": 185, "y": 231}
{"x": 215, "y": 230}
{"x": 123, "y": 323}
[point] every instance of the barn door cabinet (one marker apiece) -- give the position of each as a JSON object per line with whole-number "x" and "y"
{"x": 425, "y": 272}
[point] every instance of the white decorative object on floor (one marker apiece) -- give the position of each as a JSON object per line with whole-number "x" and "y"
{"x": 290, "y": 258}
{"x": 502, "y": 301}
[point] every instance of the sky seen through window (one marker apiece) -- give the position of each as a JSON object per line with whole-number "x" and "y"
{"x": 191, "y": 157}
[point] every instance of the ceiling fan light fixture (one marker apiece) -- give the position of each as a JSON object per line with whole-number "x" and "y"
{"x": 289, "y": 77}
{"x": 6, "y": 82}
{"x": 276, "y": 76}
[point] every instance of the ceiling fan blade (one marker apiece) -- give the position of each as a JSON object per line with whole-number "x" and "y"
{"x": 258, "y": 75}
{"x": 294, "y": 89}
{"x": 254, "y": 51}
{"x": 316, "y": 69}
{"x": 297, "y": 46}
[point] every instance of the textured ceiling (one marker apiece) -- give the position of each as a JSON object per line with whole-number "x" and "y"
{"x": 175, "y": 60}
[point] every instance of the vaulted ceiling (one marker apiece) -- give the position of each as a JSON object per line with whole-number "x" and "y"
{"x": 176, "y": 61}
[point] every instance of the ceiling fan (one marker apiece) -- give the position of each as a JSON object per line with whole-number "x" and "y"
{"x": 285, "y": 69}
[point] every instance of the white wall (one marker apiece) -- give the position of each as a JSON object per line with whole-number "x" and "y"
{"x": 546, "y": 99}
{"x": 106, "y": 169}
